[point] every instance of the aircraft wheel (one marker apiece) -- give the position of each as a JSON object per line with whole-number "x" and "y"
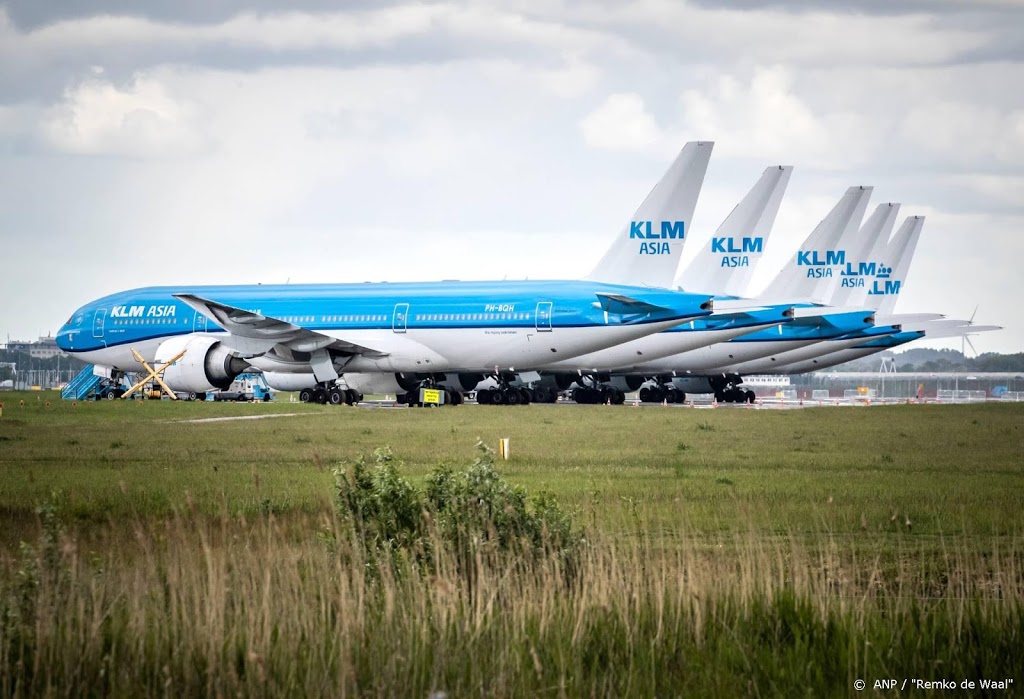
{"x": 352, "y": 396}
{"x": 320, "y": 396}
{"x": 645, "y": 395}
{"x": 336, "y": 396}
{"x": 527, "y": 396}
{"x": 750, "y": 396}
{"x": 483, "y": 397}
{"x": 720, "y": 396}
{"x": 512, "y": 396}
{"x": 201, "y": 396}
{"x": 618, "y": 397}
{"x": 306, "y": 395}
{"x": 457, "y": 398}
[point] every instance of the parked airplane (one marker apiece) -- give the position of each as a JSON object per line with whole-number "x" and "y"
{"x": 418, "y": 332}
{"x": 411, "y": 327}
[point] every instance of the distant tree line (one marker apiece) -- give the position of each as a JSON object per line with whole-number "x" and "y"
{"x": 938, "y": 361}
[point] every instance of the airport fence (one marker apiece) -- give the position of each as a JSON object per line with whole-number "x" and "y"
{"x": 954, "y": 396}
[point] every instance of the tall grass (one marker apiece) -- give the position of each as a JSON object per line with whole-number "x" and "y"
{"x": 233, "y": 606}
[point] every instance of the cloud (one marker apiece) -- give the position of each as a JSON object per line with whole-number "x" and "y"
{"x": 621, "y": 122}
{"x": 139, "y": 120}
{"x": 764, "y": 118}
{"x": 967, "y": 132}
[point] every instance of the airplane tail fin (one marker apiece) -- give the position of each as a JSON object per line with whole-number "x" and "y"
{"x": 810, "y": 273}
{"x": 889, "y": 280}
{"x": 647, "y": 251}
{"x": 863, "y": 253}
{"x": 724, "y": 266}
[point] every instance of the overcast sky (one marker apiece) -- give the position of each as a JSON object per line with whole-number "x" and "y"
{"x": 170, "y": 141}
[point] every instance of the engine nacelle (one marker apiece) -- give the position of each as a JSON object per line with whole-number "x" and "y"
{"x": 283, "y": 381}
{"x": 205, "y": 366}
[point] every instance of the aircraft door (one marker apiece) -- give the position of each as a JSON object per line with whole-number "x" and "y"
{"x": 98, "y": 322}
{"x": 401, "y": 317}
{"x": 544, "y": 316}
{"x": 199, "y": 325}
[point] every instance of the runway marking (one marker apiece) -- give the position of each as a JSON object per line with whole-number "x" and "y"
{"x": 241, "y": 417}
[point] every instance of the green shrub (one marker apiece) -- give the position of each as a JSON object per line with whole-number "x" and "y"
{"x": 471, "y": 512}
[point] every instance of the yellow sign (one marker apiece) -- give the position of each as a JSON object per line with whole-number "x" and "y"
{"x": 431, "y": 395}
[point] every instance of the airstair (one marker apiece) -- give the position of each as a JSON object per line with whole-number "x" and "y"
{"x": 83, "y": 386}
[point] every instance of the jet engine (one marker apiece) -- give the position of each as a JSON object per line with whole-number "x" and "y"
{"x": 206, "y": 364}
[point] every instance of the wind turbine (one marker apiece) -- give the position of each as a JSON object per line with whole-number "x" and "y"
{"x": 964, "y": 338}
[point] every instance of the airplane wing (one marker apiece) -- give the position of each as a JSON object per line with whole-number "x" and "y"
{"x": 256, "y": 333}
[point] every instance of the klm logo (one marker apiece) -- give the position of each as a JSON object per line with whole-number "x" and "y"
{"x": 854, "y": 277}
{"x": 820, "y": 266}
{"x": 727, "y": 247}
{"x": 142, "y": 311}
{"x": 127, "y": 311}
{"x": 654, "y": 239}
{"x": 885, "y": 287}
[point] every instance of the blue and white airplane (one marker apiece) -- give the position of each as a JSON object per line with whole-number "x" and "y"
{"x": 417, "y": 328}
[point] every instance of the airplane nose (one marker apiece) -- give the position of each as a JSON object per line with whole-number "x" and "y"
{"x": 64, "y": 339}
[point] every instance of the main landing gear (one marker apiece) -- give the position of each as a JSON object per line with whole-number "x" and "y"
{"x": 597, "y": 394}
{"x": 735, "y": 395}
{"x": 507, "y": 394}
{"x": 727, "y": 389}
{"x": 661, "y": 392}
{"x": 330, "y": 393}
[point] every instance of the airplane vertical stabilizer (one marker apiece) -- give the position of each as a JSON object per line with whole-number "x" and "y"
{"x": 812, "y": 272}
{"x": 887, "y": 285}
{"x": 724, "y": 266}
{"x": 864, "y": 255}
{"x": 648, "y": 250}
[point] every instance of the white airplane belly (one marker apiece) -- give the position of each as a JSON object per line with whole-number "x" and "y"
{"x": 646, "y": 349}
{"x": 483, "y": 349}
{"x": 778, "y": 362}
{"x": 724, "y": 353}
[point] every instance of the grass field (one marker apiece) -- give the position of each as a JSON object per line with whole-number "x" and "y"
{"x": 730, "y": 552}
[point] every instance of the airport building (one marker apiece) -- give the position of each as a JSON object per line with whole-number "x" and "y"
{"x": 43, "y": 348}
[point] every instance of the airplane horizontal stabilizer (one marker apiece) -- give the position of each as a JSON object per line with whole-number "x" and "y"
{"x": 620, "y": 304}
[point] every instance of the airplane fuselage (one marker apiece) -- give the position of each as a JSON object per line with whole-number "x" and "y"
{"x": 472, "y": 326}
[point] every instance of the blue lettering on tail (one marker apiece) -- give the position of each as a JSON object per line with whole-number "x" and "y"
{"x": 669, "y": 230}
